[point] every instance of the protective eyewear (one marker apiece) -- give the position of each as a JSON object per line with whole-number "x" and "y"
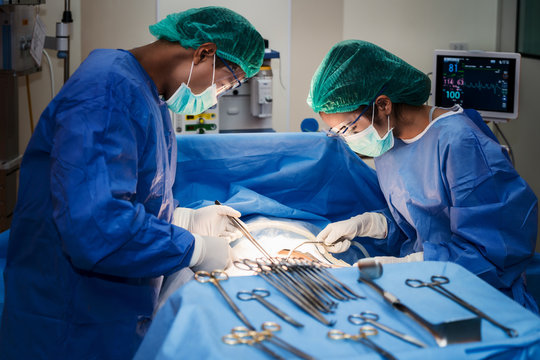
{"x": 229, "y": 84}
{"x": 342, "y": 128}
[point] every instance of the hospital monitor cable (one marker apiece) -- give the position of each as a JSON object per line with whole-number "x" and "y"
{"x": 510, "y": 151}
{"x": 51, "y": 73}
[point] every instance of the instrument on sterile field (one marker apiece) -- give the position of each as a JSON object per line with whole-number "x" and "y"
{"x": 436, "y": 284}
{"x": 362, "y": 337}
{"x": 243, "y": 335}
{"x": 259, "y": 295}
{"x": 215, "y": 277}
{"x": 288, "y": 288}
{"x": 368, "y": 317}
{"x": 306, "y": 283}
{"x": 450, "y": 332}
{"x": 219, "y": 275}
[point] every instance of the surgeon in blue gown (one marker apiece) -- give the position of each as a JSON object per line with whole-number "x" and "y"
{"x": 448, "y": 183}
{"x": 91, "y": 235}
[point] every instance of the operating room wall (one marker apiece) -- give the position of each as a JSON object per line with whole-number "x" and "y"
{"x": 412, "y": 29}
{"x": 40, "y": 83}
{"x": 316, "y": 26}
{"x": 523, "y": 132}
{"x": 118, "y": 24}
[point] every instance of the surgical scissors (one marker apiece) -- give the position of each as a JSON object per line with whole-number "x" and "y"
{"x": 368, "y": 317}
{"x": 436, "y": 284}
{"x": 361, "y": 337}
{"x": 259, "y": 295}
{"x": 215, "y": 277}
{"x": 219, "y": 275}
{"x": 243, "y": 335}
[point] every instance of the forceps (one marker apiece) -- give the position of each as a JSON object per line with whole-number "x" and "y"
{"x": 247, "y": 234}
{"x": 259, "y": 295}
{"x": 243, "y": 335}
{"x": 368, "y": 317}
{"x": 362, "y": 337}
{"x": 436, "y": 284}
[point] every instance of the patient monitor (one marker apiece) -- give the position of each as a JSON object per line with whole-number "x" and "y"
{"x": 485, "y": 81}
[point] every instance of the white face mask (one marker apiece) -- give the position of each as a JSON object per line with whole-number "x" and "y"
{"x": 183, "y": 101}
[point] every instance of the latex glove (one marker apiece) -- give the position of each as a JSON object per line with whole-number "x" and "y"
{"x": 417, "y": 256}
{"x": 211, "y": 220}
{"x": 337, "y": 236}
{"x": 210, "y": 253}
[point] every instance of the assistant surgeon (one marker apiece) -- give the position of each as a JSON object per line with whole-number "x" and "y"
{"x": 91, "y": 235}
{"x": 449, "y": 185}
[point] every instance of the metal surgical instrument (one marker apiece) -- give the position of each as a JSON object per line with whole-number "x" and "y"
{"x": 451, "y": 332}
{"x": 247, "y": 234}
{"x": 284, "y": 287}
{"x": 219, "y": 275}
{"x": 325, "y": 274}
{"x": 362, "y": 337}
{"x": 368, "y": 317}
{"x": 436, "y": 284}
{"x": 243, "y": 335}
{"x": 259, "y": 295}
{"x": 215, "y": 277}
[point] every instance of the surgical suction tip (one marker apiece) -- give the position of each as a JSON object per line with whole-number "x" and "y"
{"x": 370, "y": 269}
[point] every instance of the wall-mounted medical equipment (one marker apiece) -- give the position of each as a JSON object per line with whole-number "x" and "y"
{"x": 22, "y": 39}
{"x": 485, "y": 81}
{"x": 16, "y": 37}
{"x": 249, "y": 107}
{"x": 205, "y": 123}
{"x": 16, "y": 30}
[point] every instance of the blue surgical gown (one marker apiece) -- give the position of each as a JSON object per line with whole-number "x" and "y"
{"x": 457, "y": 197}
{"x": 90, "y": 236}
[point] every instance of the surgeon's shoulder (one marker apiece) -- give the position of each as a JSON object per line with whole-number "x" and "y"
{"x": 109, "y": 67}
{"x": 457, "y": 129}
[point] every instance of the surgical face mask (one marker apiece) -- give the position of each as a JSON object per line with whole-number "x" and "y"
{"x": 368, "y": 142}
{"x": 183, "y": 101}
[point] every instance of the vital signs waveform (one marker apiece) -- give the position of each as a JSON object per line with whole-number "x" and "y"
{"x": 483, "y": 86}
{"x": 456, "y": 84}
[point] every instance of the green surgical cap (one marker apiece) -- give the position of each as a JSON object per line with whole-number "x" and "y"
{"x": 354, "y": 72}
{"x": 236, "y": 39}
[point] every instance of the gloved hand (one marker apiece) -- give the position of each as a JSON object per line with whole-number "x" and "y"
{"x": 337, "y": 236}
{"x": 417, "y": 256}
{"x": 210, "y": 253}
{"x": 211, "y": 220}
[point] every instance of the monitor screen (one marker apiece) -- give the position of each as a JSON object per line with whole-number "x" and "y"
{"x": 484, "y": 81}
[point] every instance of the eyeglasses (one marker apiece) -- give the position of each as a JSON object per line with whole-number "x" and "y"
{"x": 230, "y": 85}
{"x": 345, "y": 126}
{"x": 342, "y": 128}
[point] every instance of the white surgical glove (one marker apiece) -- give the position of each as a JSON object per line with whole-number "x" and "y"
{"x": 417, "y": 256}
{"x": 337, "y": 236}
{"x": 210, "y": 253}
{"x": 211, "y": 220}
